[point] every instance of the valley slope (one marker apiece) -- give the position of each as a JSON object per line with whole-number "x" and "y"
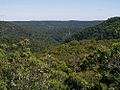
{"x": 90, "y": 60}
{"x": 109, "y": 29}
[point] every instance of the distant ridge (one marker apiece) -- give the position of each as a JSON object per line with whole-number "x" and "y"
{"x": 109, "y": 29}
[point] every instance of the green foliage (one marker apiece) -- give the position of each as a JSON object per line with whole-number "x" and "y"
{"x": 77, "y": 65}
{"x": 107, "y": 64}
{"x": 109, "y": 29}
{"x": 41, "y": 34}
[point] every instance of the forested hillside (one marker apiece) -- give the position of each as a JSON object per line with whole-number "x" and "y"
{"x": 11, "y": 30}
{"x": 90, "y": 60}
{"x": 89, "y": 64}
{"x": 55, "y": 31}
{"x": 44, "y": 34}
{"x": 109, "y": 29}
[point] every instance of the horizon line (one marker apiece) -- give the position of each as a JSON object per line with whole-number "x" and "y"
{"x": 53, "y": 20}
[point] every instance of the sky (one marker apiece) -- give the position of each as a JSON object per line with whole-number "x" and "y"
{"x": 20, "y": 10}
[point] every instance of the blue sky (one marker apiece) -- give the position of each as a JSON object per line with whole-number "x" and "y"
{"x": 58, "y": 9}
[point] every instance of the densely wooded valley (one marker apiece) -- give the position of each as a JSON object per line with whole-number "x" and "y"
{"x": 60, "y": 55}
